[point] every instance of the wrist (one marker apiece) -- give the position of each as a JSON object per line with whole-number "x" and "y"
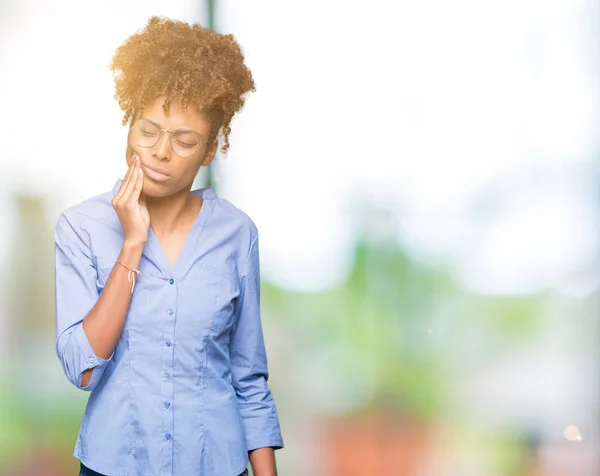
{"x": 134, "y": 245}
{"x": 131, "y": 253}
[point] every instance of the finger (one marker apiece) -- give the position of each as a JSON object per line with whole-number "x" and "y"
{"x": 130, "y": 164}
{"x": 126, "y": 180}
{"x": 137, "y": 188}
{"x": 133, "y": 177}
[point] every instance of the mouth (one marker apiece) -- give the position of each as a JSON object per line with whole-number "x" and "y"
{"x": 154, "y": 174}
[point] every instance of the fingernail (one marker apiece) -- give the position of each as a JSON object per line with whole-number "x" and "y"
{"x": 135, "y": 157}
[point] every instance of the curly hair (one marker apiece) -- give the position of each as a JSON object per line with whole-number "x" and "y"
{"x": 186, "y": 63}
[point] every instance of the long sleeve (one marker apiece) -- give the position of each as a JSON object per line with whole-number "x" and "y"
{"x": 76, "y": 294}
{"x": 249, "y": 363}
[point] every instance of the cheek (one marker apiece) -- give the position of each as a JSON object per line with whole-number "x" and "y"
{"x": 189, "y": 170}
{"x": 128, "y": 156}
{"x": 144, "y": 154}
{"x": 188, "y": 166}
{"x": 129, "y": 151}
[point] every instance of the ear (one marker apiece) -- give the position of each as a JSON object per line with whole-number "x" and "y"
{"x": 211, "y": 150}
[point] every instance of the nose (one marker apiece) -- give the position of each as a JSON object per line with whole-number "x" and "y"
{"x": 162, "y": 150}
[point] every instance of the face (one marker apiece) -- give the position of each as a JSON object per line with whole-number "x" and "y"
{"x": 166, "y": 172}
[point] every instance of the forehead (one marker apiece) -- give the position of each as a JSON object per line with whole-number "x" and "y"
{"x": 176, "y": 117}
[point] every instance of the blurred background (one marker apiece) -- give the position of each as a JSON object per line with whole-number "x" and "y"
{"x": 424, "y": 176}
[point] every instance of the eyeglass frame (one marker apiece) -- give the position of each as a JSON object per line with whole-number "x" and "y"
{"x": 161, "y": 130}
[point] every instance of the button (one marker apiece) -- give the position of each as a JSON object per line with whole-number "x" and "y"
{"x": 167, "y": 375}
{"x": 171, "y": 311}
{"x": 91, "y": 360}
{"x": 167, "y": 404}
{"x": 171, "y": 281}
{"x": 167, "y": 436}
{"x": 168, "y": 343}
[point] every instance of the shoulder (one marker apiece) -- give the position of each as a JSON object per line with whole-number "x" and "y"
{"x": 236, "y": 229}
{"x": 226, "y": 212}
{"x": 93, "y": 210}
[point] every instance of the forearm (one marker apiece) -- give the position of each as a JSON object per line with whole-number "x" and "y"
{"x": 104, "y": 323}
{"x": 263, "y": 462}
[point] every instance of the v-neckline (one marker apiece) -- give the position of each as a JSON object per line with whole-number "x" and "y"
{"x": 188, "y": 246}
{"x": 183, "y": 249}
{"x": 156, "y": 252}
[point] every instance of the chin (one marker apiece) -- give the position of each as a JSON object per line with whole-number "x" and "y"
{"x": 155, "y": 190}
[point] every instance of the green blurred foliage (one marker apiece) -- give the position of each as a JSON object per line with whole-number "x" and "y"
{"x": 388, "y": 329}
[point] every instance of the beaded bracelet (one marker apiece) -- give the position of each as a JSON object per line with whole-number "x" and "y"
{"x": 132, "y": 275}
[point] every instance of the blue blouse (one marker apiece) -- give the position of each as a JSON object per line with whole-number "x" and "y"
{"x": 185, "y": 391}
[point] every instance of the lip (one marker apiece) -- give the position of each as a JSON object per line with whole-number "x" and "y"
{"x": 155, "y": 175}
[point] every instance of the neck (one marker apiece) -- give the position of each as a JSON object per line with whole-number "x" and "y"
{"x": 166, "y": 213}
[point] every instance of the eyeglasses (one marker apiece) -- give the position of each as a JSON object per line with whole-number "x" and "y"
{"x": 146, "y": 133}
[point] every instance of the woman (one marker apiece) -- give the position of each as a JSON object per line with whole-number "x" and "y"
{"x": 157, "y": 286}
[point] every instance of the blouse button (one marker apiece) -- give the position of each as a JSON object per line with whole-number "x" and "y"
{"x": 171, "y": 281}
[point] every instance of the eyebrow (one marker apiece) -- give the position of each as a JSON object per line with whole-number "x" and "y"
{"x": 182, "y": 129}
